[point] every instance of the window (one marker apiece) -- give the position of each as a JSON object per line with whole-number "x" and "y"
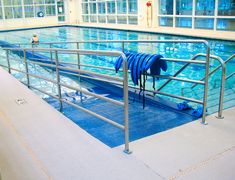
{"x": 111, "y": 7}
{"x": 101, "y": 8}
{"x": 84, "y": 8}
{"x": 29, "y": 11}
{"x": 226, "y": 8}
{"x": 166, "y": 21}
{"x": 226, "y": 24}
{"x": 184, "y": 7}
{"x": 92, "y": 8}
{"x": 204, "y": 23}
{"x": 50, "y": 10}
{"x": 132, "y": 6}
{"x": 166, "y": 7}
{"x": 205, "y": 7}
{"x": 184, "y": 22}
{"x": 121, "y": 7}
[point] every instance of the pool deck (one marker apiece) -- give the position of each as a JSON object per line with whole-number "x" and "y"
{"x": 38, "y": 142}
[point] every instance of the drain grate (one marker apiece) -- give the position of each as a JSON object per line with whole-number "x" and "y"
{"x": 20, "y": 101}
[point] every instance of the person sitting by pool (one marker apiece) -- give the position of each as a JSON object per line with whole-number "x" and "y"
{"x": 35, "y": 39}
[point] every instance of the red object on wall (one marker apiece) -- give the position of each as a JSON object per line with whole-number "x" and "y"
{"x": 149, "y": 3}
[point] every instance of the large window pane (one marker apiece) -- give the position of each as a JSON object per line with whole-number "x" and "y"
{"x": 16, "y": 2}
{"x": 111, "y": 19}
{"x": 226, "y": 24}
{"x": 133, "y": 7}
{"x": 8, "y": 13}
{"x": 101, "y": 8}
{"x": 39, "y": 1}
{"x": 121, "y": 7}
{"x": 166, "y": 21}
{"x": 93, "y": 18}
{"x": 28, "y": 2}
{"x": 50, "y": 1}
{"x": 92, "y": 8}
{"x": 39, "y": 9}
{"x": 184, "y": 7}
{"x": 102, "y": 19}
{"x": 133, "y": 19}
{"x": 85, "y": 18}
{"x": 226, "y": 8}
{"x": 7, "y": 2}
{"x": 184, "y": 22}
{"x": 50, "y": 10}
{"x": 205, "y": 7}
{"x": 166, "y": 7}
{"x": 122, "y": 20}
{"x": 29, "y": 11}
{"x": 1, "y": 15}
{"x": 204, "y": 23}
{"x": 84, "y": 8}
{"x": 18, "y": 12}
{"x": 111, "y": 7}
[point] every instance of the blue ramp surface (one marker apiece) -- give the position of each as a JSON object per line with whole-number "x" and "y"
{"x": 142, "y": 122}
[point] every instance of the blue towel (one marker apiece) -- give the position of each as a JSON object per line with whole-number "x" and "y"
{"x": 198, "y": 112}
{"x": 183, "y": 106}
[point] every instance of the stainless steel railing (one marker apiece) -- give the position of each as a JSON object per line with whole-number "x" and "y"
{"x": 59, "y": 69}
{"x": 123, "y": 42}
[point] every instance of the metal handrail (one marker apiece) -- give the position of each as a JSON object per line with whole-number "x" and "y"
{"x": 228, "y": 60}
{"x": 58, "y": 69}
{"x": 155, "y": 41}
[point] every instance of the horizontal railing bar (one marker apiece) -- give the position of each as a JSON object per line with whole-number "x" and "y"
{"x": 184, "y": 61}
{"x": 129, "y": 41}
{"x": 79, "y": 51}
{"x": 44, "y": 92}
{"x": 91, "y": 73}
{"x": 93, "y": 94}
{"x": 95, "y": 114}
{"x": 229, "y": 59}
{"x": 177, "y": 79}
{"x": 229, "y": 76}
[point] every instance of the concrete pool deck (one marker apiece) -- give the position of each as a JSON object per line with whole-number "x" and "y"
{"x": 38, "y": 142}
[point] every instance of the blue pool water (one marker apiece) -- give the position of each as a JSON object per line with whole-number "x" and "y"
{"x": 153, "y": 118}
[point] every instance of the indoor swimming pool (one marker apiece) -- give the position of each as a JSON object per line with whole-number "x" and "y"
{"x": 151, "y": 124}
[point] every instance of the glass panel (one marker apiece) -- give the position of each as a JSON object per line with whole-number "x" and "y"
{"x": 93, "y": 18}
{"x": 133, "y": 8}
{"x": 203, "y": 23}
{"x": 121, "y": 7}
{"x": 111, "y": 19}
{"x": 122, "y": 20}
{"x": 102, "y": 19}
{"x": 166, "y": 21}
{"x": 8, "y": 13}
{"x": 50, "y": 1}
{"x": 61, "y": 18}
{"x": 50, "y": 10}
{"x": 1, "y": 15}
{"x": 84, "y": 8}
{"x": 6, "y": 2}
{"x": 184, "y": 7}
{"x": 166, "y": 7}
{"x": 16, "y": 2}
{"x": 111, "y": 7}
{"x": 28, "y": 2}
{"x": 205, "y": 7}
{"x": 85, "y": 18}
{"x": 101, "y": 8}
{"x": 18, "y": 12}
{"x": 92, "y": 8}
{"x": 184, "y": 22}
{"x": 29, "y": 11}
{"x": 39, "y": 1}
{"x": 132, "y": 19}
{"x": 226, "y": 24}
{"x": 226, "y": 8}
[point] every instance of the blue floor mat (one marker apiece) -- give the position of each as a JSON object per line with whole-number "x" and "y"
{"x": 142, "y": 122}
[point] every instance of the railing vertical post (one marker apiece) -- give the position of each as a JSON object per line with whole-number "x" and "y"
{"x": 51, "y": 55}
{"x": 58, "y": 79}
{"x": 221, "y": 100}
{"x": 79, "y": 77}
{"x": 8, "y": 61}
{"x": 206, "y": 83}
{"x": 26, "y": 69}
{"x": 125, "y": 92}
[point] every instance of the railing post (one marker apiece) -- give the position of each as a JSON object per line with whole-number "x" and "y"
{"x": 221, "y": 99}
{"x": 26, "y": 69}
{"x": 58, "y": 79}
{"x": 206, "y": 83}
{"x": 79, "y": 77}
{"x": 125, "y": 92}
{"x": 51, "y": 55}
{"x": 8, "y": 61}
